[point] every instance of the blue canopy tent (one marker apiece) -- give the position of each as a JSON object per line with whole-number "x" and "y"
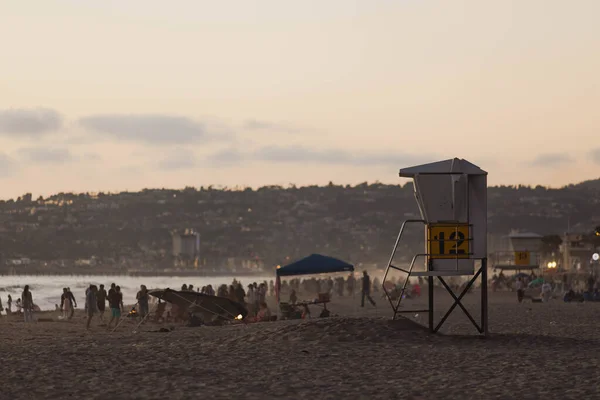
{"x": 312, "y": 265}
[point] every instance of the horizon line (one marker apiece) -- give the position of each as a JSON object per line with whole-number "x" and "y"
{"x": 288, "y": 186}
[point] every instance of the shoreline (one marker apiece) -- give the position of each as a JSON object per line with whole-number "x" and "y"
{"x": 139, "y": 273}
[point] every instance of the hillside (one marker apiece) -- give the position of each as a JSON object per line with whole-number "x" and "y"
{"x": 358, "y": 223}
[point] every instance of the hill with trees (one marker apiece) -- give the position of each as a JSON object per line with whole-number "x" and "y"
{"x": 268, "y": 225}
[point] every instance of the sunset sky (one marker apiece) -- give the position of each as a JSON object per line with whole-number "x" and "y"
{"x": 121, "y": 95}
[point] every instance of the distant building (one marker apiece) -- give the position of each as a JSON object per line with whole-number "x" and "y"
{"x": 576, "y": 252}
{"x": 186, "y": 246}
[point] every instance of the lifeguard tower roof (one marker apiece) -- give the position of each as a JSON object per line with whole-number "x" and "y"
{"x": 450, "y": 166}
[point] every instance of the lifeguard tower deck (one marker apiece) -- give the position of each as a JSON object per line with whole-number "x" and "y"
{"x": 452, "y": 199}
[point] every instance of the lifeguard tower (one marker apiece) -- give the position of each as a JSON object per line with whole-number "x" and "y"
{"x": 523, "y": 253}
{"x": 452, "y": 199}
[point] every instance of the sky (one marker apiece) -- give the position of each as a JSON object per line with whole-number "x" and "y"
{"x": 111, "y": 95}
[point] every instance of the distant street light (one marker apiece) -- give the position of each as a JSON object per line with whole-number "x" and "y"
{"x": 596, "y": 257}
{"x": 551, "y": 264}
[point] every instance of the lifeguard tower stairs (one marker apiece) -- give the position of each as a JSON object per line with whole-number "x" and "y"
{"x": 452, "y": 199}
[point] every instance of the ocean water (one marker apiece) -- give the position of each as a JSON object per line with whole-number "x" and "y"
{"x": 46, "y": 290}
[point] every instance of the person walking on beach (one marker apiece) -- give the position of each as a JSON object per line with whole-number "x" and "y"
{"x": 115, "y": 302}
{"x": 73, "y": 302}
{"x": 27, "y": 301}
{"x": 142, "y": 299}
{"x": 9, "y": 303}
{"x": 101, "y": 301}
{"x": 519, "y": 287}
{"x": 366, "y": 289}
{"x": 91, "y": 304}
{"x": 65, "y": 304}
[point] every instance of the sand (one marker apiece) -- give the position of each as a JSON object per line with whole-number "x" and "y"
{"x": 534, "y": 351}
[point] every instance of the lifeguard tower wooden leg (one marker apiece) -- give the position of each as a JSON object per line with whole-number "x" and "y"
{"x": 430, "y": 285}
{"x": 484, "y": 296}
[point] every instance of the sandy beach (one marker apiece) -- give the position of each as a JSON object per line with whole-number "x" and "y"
{"x": 535, "y": 351}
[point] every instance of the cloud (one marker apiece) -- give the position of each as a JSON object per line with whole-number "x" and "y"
{"x": 595, "y": 155}
{"x": 551, "y": 160}
{"x": 226, "y": 157}
{"x": 92, "y": 157}
{"x": 148, "y": 128}
{"x": 178, "y": 159}
{"x": 44, "y": 155}
{"x": 297, "y": 154}
{"x": 300, "y": 154}
{"x": 29, "y": 122}
{"x": 256, "y": 125}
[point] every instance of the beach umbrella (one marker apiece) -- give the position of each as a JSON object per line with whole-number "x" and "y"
{"x": 203, "y": 304}
{"x": 536, "y": 282}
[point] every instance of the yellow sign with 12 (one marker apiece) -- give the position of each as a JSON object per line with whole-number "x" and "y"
{"x": 448, "y": 241}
